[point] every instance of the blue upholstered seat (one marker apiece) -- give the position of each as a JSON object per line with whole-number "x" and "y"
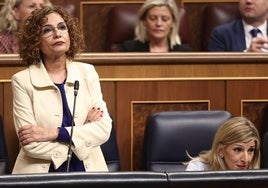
{"x": 168, "y": 135}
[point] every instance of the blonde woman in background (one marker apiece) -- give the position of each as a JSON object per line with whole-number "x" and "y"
{"x": 12, "y": 15}
{"x": 236, "y": 146}
{"x": 156, "y": 29}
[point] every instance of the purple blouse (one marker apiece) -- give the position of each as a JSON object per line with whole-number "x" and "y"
{"x": 75, "y": 164}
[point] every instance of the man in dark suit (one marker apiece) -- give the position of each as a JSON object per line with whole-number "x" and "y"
{"x": 248, "y": 34}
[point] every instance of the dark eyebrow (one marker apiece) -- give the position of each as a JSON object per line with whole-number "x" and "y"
{"x": 51, "y": 25}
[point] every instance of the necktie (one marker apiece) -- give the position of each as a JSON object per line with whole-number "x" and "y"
{"x": 254, "y": 32}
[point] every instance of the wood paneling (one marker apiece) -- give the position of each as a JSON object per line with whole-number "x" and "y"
{"x": 207, "y": 1}
{"x": 1, "y": 98}
{"x": 10, "y": 134}
{"x": 135, "y": 85}
{"x": 248, "y": 98}
{"x": 154, "y": 92}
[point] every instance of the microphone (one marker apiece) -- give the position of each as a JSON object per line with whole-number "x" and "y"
{"x": 69, "y": 156}
{"x": 76, "y": 87}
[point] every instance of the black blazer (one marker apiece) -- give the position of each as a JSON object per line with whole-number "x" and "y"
{"x": 138, "y": 46}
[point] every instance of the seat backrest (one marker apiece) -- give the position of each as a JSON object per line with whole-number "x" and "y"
{"x": 3, "y": 150}
{"x": 264, "y": 151}
{"x": 216, "y": 14}
{"x": 121, "y": 24}
{"x": 168, "y": 135}
{"x": 110, "y": 152}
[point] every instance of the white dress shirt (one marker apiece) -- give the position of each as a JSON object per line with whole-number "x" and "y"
{"x": 248, "y": 28}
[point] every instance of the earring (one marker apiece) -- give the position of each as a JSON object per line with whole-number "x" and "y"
{"x": 221, "y": 156}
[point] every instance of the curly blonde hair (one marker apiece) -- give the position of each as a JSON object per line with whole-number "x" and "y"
{"x": 29, "y": 36}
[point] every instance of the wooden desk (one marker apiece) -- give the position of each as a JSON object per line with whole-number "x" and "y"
{"x": 137, "y": 84}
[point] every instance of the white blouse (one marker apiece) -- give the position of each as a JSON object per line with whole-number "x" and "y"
{"x": 196, "y": 165}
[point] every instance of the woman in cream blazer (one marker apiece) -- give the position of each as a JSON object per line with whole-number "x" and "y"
{"x": 44, "y": 93}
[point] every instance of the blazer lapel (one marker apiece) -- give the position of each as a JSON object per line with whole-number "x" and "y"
{"x": 39, "y": 75}
{"x": 239, "y": 36}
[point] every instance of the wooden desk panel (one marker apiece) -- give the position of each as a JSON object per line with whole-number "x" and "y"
{"x": 249, "y": 98}
{"x": 137, "y": 99}
{"x": 137, "y": 84}
{"x": 163, "y": 66}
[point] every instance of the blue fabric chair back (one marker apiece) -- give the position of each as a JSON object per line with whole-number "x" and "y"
{"x": 264, "y": 151}
{"x": 3, "y": 150}
{"x": 111, "y": 152}
{"x": 169, "y": 135}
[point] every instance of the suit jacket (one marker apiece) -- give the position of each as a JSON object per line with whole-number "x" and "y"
{"x": 138, "y": 46}
{"x": 229, "y": 37}
{"x": 37, "y": 101}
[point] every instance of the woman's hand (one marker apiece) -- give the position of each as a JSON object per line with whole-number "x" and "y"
{"x": 32, "y": 133}
{"x": 94, "y": 114}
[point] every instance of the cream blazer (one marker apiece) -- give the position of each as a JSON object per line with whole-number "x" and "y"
{"x": 37, "y": 101}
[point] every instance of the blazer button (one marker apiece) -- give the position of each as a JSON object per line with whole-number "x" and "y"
{"x": 88, "y": 144}
{"x": 56, "y": 154}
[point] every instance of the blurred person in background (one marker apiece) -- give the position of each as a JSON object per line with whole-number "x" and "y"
{"x": 156, "y": 29}
{"x": 12, "y": 15}
{"x": 248, "y": 34}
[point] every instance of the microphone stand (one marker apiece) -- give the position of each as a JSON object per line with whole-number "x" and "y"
{"x": 69, "y": 156}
